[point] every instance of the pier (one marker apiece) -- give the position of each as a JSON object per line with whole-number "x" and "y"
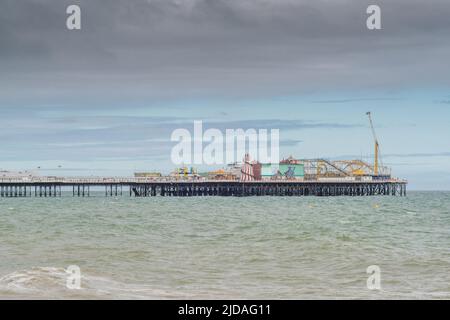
{"x": 137, "y": 187}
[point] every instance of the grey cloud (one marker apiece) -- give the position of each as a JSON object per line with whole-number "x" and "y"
{"x": 290, "y": 142}
{"x": 397, "y": 155}
{"x": 345, "y": 101}
{"x": 99, "y": 137}
{"x": 443, "y": 101}
{"x": 90, "y": 131}
{"x": 419, "y": 155}
{"x": 141, "y": 49}
{"x": 278, "y": 124}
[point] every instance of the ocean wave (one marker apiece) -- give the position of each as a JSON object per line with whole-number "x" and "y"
{"x": 50, "y": 283}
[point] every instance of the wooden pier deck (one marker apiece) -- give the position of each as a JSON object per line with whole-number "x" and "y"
{"x": 138, "y": 187}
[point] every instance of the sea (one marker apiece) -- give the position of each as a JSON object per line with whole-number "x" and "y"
{"x": 226, "y": 247}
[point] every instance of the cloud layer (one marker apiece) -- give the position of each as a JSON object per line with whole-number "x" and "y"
{"x": 174, "y": 48}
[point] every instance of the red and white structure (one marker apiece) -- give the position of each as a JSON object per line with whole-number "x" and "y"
{"x": 247, "y": 169}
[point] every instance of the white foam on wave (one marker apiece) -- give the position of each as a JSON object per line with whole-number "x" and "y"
{"x": 50, "y": 283}
{"x": 33, "y": 279}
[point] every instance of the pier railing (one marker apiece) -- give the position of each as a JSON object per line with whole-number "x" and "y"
{"x": 133, "y": 180}
{"x": 169, "y": 186}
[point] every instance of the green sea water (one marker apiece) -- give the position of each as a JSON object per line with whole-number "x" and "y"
{"x": 230, "y": 248}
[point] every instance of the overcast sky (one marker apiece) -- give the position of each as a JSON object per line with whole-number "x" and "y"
{"x": 104, "y": 99}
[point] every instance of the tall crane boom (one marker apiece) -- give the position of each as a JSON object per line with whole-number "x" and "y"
{"x": 377, "y": 146}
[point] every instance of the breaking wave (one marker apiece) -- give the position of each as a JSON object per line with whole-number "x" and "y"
{"x": 50, "y": 283}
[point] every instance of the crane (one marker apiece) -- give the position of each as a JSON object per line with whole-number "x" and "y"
{"x": 377, "y": 145}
